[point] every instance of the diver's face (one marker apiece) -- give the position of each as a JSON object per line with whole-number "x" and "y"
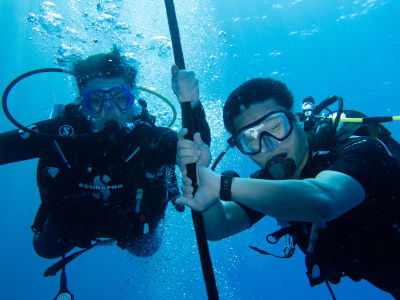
{"x": 294, "y": 146}
{"x": 113, "y": 114}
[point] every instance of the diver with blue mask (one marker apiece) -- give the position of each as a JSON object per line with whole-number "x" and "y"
{"x": 105, "y": 169}
{"x": 108, "y": 99}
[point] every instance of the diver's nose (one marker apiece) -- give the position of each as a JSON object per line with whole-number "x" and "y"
{"x": 268, "y": 143}
{"x": 109, "y": 108}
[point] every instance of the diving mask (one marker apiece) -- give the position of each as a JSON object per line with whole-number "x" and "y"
{"x": 96, "y": 101}
{"x": 270, "y": 130}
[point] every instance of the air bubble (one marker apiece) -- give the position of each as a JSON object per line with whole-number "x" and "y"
{"x": 162, "y": 44}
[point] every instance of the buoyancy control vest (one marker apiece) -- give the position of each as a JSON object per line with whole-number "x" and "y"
{"x": 322, "y": 265}
{"x": 143, "y": 191}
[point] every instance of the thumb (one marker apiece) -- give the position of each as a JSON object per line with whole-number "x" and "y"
{"x": 174, "y": 70}
{"x": 182, "y": 133}
{"x": 184, "y": 201}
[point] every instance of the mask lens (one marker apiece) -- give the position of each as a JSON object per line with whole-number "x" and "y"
{"x": 277, "y": 125}
{"x": 269, "y": 130}
{"x": 248, "y": 141}
{"x": 122, "y": 97}
{"x": 93, "y": 102}
{"x": 116, "y": 98}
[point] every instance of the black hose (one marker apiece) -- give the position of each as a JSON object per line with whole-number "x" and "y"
{"x": 330, "y": 290}
{"x": 328, "y": 102}
{"x": 13, "y": 83}
{"x": 187, "y": 116}
{"x": 220, "y": 156}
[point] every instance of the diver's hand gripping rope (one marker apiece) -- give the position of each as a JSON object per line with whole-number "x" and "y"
{"x": 206, "y": 264}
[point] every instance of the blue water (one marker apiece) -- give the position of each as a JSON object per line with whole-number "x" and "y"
{"x": 318, "y": 48}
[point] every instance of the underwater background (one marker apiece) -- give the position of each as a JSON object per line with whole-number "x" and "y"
{"x": 317, "y": 47}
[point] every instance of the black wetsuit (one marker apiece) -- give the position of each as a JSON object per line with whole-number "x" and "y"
{"x": 114, "y": 183}
{"x": 364, "y": 243}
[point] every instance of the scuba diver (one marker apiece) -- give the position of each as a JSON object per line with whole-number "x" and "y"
{"x": 105, "y": 169}
{"x": 334, "y": 191}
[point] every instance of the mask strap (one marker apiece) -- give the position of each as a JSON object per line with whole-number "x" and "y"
{"x": 231, "y": 144}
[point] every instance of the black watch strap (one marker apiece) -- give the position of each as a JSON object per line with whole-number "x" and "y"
{"x": 225, "y": 192}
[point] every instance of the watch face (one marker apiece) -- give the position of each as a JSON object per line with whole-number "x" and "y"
{"x": 64, "y": 296}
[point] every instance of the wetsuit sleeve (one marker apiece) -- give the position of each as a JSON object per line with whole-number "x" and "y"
{"x": 254, "y": 216}
{"x": 200, "y": 123}
{"x": 166, "y": 146}
{"x": 366, "y": 160}
{"x": 168, "y": 139}
{"x": 17, "y": 146}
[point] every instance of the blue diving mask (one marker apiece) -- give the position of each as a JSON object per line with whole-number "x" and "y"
{"x": 96, "y": 101}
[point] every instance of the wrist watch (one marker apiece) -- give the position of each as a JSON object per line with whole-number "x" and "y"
{"x": 225, "y": 192}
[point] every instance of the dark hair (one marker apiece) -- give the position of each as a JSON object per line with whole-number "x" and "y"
{"x": 106, "y": 65}
{"x": 254, "y": 91}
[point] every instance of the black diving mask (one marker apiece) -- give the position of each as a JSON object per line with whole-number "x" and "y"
{"x": 270, "y": 130}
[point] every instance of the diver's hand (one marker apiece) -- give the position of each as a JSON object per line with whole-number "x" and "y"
{"x": 185, "y": 86}
{"x": 191, "y": 151}
{"x": 207, "y": 193}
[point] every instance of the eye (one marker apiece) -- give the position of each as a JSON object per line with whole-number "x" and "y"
{"x": 95, "y": 100}
{"x": 251, "y": 135}
{"x": 119, "y": 95}
{"x": 274, "y": 126}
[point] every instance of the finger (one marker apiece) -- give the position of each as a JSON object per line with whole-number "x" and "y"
{"x": 184, "y": 152}
{"x": 197, "y": 139}
{"x": 185, "y": 201}
{"x": 190, "y": 75}
{"x": 186, "y": 144}
{"x": 186, "y": 181}
{"x": 187, "y": 189}
{"x": 186, "y": 75}
{"x": 183, "y": 170}
{"x": 182, "y": 133}
{"x": 193, "y": 83}
{"x": 189, "y": 160}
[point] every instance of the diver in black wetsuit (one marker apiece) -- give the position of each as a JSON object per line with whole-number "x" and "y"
{"x": 111, "y": 172}
{"x": 336, "y": 193}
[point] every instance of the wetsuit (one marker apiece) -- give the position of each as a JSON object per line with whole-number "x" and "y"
{"x": 364, "y": 243}
{"x": 115, "y": 183}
